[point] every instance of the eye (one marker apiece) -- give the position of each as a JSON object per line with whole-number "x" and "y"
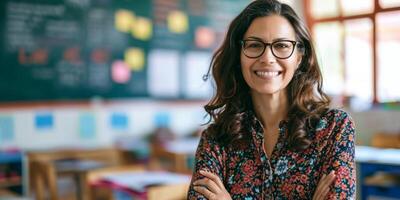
{"x": 253, "y": 44}
{"x": 282, "y": 45}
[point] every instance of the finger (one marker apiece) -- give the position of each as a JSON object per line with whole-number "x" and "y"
{"x": 329, "y": 179}
{"x": 322, "y": 193}
{"x": 213, "y": 177}
{"x": 324, "y": 185}
{"x": 210, "y": 184}
{"x": 318, "y": 190}
{"x": 205, "y": 192}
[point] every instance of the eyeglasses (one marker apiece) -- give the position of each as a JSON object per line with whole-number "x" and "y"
{"x": 281, "y": 49}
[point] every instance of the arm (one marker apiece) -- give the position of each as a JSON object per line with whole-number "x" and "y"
{"x": 340, "y": 158}
{"x": 209, "y": 157}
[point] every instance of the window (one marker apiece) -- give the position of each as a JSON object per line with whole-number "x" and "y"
{"x": 388, "y": 45}
{"x": 354, "y": 7}
{"x": 358, "y": 59}
{"x": 357, "y": 45}
{"x": 329, "y": 35}
{"x": 389, "y": 3}
{"x": 324, "y": 9}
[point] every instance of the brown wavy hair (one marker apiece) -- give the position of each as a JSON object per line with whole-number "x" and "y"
{"x": 231, "y": 110}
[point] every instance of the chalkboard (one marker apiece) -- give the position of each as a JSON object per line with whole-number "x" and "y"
{"x": 79, "y": 49}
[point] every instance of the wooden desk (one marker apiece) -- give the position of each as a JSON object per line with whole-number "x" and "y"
{"x": 44, "y": 170}
{"x": 77, "y": 169}
{"x": 127, "y": 180}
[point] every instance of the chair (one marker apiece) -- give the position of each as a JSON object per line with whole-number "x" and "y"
{"x": 167, "y": 158}
{"x": 163, "y": 159}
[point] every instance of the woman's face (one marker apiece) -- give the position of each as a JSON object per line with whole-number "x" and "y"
{"x": 268, "y": 74}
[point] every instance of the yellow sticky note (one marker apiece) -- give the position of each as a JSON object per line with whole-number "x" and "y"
{"x": 178, "y": 22}
{"x": 142, "y": 29}
{"x": 124, "y": 20}
{"x": 134, "y": 57}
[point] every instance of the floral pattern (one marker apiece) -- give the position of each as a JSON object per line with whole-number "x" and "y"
{"x": 287, "y": 174}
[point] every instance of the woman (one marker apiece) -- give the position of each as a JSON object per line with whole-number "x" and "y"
{"x": 272, "y": 134}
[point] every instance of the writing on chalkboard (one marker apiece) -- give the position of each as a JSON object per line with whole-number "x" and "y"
{"x": 80, "y": 49}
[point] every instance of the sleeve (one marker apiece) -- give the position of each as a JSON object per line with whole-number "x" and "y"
{"x": 208, "y": 157}
{"x": 340, "y": 158}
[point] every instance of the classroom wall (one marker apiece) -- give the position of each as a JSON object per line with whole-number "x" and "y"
{"x": 96, "y": 125}
{"x": 100, "y": 124}
{"x": 375, "y": 121}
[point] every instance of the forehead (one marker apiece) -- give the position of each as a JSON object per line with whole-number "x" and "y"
{"x": 270, "y": 27}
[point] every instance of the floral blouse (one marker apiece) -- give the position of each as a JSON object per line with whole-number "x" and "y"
{"x": 250, "y": 174}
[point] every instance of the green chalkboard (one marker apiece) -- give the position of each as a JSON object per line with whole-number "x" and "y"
{"x": 74, "y": 49}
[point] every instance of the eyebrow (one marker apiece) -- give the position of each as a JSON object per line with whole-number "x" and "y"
{"x": 275, "y": 39}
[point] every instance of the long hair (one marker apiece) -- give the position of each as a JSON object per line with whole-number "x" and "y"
{"x": 230, "y": 106}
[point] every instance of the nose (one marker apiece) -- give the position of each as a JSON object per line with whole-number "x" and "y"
{"x": 267, "y": 56}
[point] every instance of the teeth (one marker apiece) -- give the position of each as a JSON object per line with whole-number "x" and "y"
{"x": 267, "y": 74}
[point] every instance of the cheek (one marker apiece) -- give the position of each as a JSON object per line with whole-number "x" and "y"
{"x": 245, "y": 65}
{"x": 291, "y": 64}
{"x": 290, "y": 69}
{"x": 243, "y": 61}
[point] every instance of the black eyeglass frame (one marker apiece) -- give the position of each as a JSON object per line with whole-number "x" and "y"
{"x": 294, "y": 43}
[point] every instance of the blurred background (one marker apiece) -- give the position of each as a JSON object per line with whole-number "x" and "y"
{"x": 103, "y": 99}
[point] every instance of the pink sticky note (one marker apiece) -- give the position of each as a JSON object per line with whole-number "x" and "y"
{"x": 120, "y": 72}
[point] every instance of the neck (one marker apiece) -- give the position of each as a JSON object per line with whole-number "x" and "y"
{"x": 270, "y": 109}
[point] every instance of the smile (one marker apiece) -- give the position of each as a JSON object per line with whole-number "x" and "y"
{"x": 267, "y": 74}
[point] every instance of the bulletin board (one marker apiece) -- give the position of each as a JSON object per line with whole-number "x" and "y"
{"x": 81, "y": 49}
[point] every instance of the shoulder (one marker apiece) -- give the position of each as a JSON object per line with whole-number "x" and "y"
{"x": 336, "y": 115}
{"x": 209, "y": 141}
{"x": 332, "y": 118}
{"x": 335, "y": 123}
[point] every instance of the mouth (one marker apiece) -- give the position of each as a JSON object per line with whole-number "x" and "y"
{"x": 267, "y": 74}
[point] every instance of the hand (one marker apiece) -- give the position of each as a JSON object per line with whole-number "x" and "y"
{"x": 323, "y": 186}
{"x": 211, "y": 187}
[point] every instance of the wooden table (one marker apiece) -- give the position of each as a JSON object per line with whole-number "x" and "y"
{"x": 46, "y": 166}
{"x": 139, "y": 183}
{"x": 78, "y": 169}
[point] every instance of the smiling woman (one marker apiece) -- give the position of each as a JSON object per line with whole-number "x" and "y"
{"x": 272, "y": 134}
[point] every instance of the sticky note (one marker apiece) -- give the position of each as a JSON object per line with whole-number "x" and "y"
{"x": 120, "y": 72}
{"x": 162, "y": 119}
{"x": 134, "y": 57}
{"x": 163, "y": 73}
{"x": 87, "y": 126}
{"x": 6, "y": 128}
{"x": 44, "y": 120}
{"x": 142, "y": 29}
{"x": 204, "y": 37}
{"x": 119, "y": 121}
{"x": 178, "y": 22}
{"x": 123, "y": 20}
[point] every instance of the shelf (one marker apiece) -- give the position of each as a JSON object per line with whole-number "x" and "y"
{"x": 7, "y": 193}
{"x": 10, "y": 183}
{"x": 10, "y": 157}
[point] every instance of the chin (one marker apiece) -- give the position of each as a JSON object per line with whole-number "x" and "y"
{"x": 266, "y": 91}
